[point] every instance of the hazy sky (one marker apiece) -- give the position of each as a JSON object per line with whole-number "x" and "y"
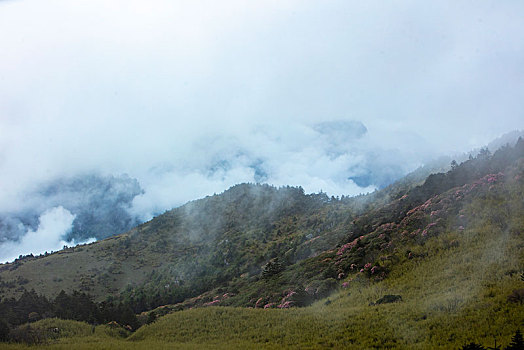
{"x": 190, "y": 97}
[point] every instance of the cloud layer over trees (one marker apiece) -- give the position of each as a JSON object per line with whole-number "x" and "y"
{"x": 167, "y": 101}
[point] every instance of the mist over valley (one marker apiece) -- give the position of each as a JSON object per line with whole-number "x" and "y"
{"x": 261, "y": 175}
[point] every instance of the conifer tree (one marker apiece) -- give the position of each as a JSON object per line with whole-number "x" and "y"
{"x": 517, "y": 342}
{"x": 473, "y": 346}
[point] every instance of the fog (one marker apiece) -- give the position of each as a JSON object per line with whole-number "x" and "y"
{"x": 191, "y": 97}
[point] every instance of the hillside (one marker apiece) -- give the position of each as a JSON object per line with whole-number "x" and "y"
{"x": 448, "y": 251}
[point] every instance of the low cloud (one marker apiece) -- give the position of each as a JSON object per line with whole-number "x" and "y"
{"x": 54, "y": 224}
{"x": 189, "y": 98}
{"x": 339, "y": 157}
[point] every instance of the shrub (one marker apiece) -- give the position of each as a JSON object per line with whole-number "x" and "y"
{"x": 4, "y": 331}
{"x": 517, "y": 296}
{"x": 28, "y": 335}
{"x": 389, "y": 298}
{"x": 472, "y": 346}
{"x": 517, "y": 343}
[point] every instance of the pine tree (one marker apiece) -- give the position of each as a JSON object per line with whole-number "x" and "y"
{"x": 273, "y": 267}
{"x": 517, "y": 342}
{"x": 473, "y": 346}
{"x": 4, "y": 331}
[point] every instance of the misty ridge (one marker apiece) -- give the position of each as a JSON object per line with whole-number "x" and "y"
{"x": 265, "y": 248}
{"x": 261, "y": 174}
{"x": 81, "y": 208}
{"x": 337, "y": 157}
{"x": 93, "y": 207}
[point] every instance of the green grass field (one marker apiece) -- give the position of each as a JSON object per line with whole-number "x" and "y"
{"x": 452, "y": 296}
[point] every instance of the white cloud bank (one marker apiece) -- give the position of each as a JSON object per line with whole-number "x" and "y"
{"x": 190, "y": 97}
{"x": 54, "y": 224}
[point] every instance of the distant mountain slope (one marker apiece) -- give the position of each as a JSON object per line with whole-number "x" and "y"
{"x": 437, "y": 267}
{"x": 252, "y": 243}
{"x": 99, "y": 203}
{"x": 184, "y": 241}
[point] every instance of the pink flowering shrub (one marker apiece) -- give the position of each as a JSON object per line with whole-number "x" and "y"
{"x": 269, "y": 306}
{"x": 387, "y": 227}
{"x": 259, "y": 303}
{"x": 212, "y": 303}
{"x": 286, "y": 301}
{"x": 349, "y": 245}
{"x": 285, "y": 305}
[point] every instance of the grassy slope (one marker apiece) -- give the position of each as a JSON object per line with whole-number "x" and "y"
{"x": 454, "y": 286}
{"x": 451, "y": 296}
{"x": 96, "y": 268}
{"x": 174, "y": 244}
{"x": 258, "y": 222}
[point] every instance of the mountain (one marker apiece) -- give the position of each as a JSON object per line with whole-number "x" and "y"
{"x": 99, "y": 205}
{"x": 447, "y": 247}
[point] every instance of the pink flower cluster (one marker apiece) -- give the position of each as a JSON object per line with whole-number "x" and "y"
{"x": 345, "y": 285}
{"x": 212, "y": 303}
{"x": 286, "y": 303}
{"x": 269, "y": 306}
{"x": 389, "y": 226}
{"x": 348, "y": 245}
{"x": 422, "y": 207}
{"x": 491, "y": 178}
{"x": 310, "y": 290}
{"x": 435, "y": 213}
{"x": 218, "y": 298}
{"x": 259, "y": 303}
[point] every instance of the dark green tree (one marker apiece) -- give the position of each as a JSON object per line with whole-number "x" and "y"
{"x": 473, "y": 346}
{"x": 4, "y": 331}
{"x": 273, "y": 267}
{"x": 517, "y": 342}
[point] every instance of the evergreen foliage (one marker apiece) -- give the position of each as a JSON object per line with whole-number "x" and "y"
{"x": 473, "y": 346}
{"x": 517, "y": 342}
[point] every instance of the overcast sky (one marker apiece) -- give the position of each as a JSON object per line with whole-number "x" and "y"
{"x": 190, "y": 97}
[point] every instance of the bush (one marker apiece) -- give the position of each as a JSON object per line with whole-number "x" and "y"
{"x": 517, "y": 342}
{"x": 389, "y": 298}
{"x": 472, "y": 346}
{"x": 4, "y": 331}
{"x": 28, "y": 335}
{"x": 517, "y": 296}
{"x": 320, "y": 289}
